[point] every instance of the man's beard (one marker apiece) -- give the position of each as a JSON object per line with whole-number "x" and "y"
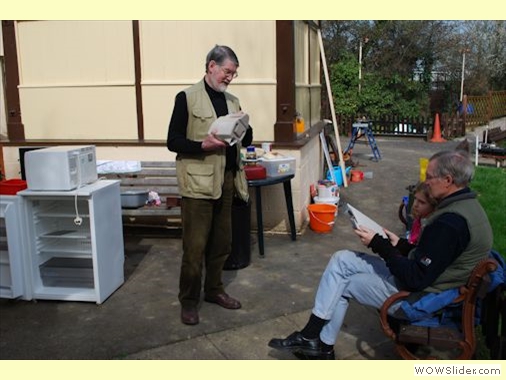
{"x": 222, "y": 87}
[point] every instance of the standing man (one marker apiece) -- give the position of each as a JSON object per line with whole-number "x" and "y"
{"x": 456, "y": 237}
{"x": 210, "y": 174}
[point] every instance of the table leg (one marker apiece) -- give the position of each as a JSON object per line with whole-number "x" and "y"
{"x": 260, "y": 223}
{"x": 289, "y": 206}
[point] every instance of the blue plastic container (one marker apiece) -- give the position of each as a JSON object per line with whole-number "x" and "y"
{"x": 338, "y": 174}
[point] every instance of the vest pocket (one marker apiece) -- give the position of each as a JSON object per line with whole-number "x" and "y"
{"x": 201, "y": 113}
{"x": 200, "y": 179}
{"x": 200, "y": 122}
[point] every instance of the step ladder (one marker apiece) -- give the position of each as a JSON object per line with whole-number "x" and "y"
{"x": 360, "y": 129}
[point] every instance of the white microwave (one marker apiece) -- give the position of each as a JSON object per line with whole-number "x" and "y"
{"x": 61, "y": 167}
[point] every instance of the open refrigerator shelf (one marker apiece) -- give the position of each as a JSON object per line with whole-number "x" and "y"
{"x": 68, "y": 246}
{"x": 67, "y": 234}
{"x": 67, "y": 214}
{"x": 67, "y": 272}
{"x": 61, "y": 207}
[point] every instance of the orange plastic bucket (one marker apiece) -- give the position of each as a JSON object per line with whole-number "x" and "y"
{"x": 321, "y": 217}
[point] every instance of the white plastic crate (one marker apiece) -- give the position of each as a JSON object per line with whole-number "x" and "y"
{"x": 279, "y": 166}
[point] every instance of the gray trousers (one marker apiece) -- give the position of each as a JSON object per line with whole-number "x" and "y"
{"x": 361, "y": 276}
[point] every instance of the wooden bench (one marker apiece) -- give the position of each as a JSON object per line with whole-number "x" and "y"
{"x": 160, "y": 177}
{"x": 493, "y": 135}
{"x": 458, "y": 342}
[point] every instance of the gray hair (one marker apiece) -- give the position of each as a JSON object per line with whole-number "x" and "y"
{"x": 219, "y": 53}
{"x": 455, "y": 164}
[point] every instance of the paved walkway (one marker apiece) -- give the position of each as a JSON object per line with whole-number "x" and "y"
{"x": 141, "y": 319}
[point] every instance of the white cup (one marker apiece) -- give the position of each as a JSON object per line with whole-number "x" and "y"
{"x": 266, "y": 147}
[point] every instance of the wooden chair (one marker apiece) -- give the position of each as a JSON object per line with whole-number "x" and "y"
{"x": 419, "y": 342}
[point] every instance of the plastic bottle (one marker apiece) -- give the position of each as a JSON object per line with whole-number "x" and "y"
{"x": 298, "y": 123}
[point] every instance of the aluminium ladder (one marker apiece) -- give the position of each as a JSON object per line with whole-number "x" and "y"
{"x": 360, "y": 129}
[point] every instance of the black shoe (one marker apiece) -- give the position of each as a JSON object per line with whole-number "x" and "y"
{"x": 322, "y": 355}
{"x": 296, "y": 342}
{"x": 224, "y": 300}
{"x": 189, "y": 315}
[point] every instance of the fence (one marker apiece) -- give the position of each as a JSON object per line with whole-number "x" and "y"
{"x": 452, "y": 125}
{"x": 479, "y": 110}
{"x": 475, "y": 111}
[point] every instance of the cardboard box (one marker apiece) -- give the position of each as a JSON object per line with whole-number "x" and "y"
{"x": 279, "y": 166}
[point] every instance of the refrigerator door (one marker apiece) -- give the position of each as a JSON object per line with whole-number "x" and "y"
{"x": 12, "y": 273}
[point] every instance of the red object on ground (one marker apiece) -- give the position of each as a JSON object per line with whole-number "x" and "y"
{"x": 436, "y": 136}
{"x": 255, "y": 172}
{"x": 12, "y": 186}
{"x": 357, "y": 175}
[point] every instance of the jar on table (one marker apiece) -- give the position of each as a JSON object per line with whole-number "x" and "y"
{"x": 251, "y": 155}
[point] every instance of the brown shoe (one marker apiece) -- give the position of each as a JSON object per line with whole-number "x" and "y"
{"x": 189, "y": 315}
{"x": 224, "y": 300}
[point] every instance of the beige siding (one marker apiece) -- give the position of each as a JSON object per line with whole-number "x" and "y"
{"x": 3, "y": 117}
{"x": 176, "y": 50}
{"x": 307, "y": 73}
{"x": 173, "y": 57}
{"x": 53, "y": 53}
{"x": 77, "y": 79}
{"x": 87, "y": 113}
{"x": 257, "y": 100}
{"x": 301, "y": 52}
{"x": 302, "y": 99}
{"x": 314, "y": 77}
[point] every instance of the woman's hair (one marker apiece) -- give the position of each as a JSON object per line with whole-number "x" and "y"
{"x": 219, "y": 53}
{"x": 423, "y": 188}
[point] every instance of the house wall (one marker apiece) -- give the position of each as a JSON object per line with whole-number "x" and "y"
{"x": 173, "y": 58}
{"x": 73, "y": 71}
{"x": 307, "y": 74}
{"x": 77, "y": 82}
{"x": 3, "y": 119}
{"x": 77, "y": 79}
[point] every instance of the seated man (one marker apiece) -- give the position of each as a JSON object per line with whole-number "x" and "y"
{"x": 456, "y": 237}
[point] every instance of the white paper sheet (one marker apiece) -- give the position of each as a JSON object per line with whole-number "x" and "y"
{"x": 364, "y": 220}
{"x": 109, "y": 166}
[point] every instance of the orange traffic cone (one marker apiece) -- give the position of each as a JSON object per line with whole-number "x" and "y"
{"x": 436, "y": 135}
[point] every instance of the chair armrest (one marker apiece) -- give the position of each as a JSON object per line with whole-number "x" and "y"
{"x": 384, "y": 312}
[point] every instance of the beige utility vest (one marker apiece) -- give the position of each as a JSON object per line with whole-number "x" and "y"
{"x": 201, "y": 176}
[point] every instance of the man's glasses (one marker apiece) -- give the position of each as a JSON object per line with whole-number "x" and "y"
{"x": 429, "y": 177}
{"x": 229, "y": 73}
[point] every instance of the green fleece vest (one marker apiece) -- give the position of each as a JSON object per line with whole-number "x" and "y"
{"x": 480, "y": 244}
{"x": 201, "y": 176}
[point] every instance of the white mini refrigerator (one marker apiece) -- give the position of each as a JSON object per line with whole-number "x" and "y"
{"x": 73, "y": 242}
